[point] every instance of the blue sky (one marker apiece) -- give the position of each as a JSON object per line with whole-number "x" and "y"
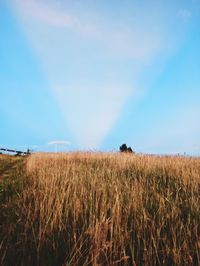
{"x": 100, "y": 73}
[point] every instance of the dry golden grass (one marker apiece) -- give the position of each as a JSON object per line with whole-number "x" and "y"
{"x": 109, "y": 209}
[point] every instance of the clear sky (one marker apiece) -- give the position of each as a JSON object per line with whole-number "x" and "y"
{"x": 100, "y": 73}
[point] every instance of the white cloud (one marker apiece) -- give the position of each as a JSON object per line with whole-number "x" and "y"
{"x": 59, "y": 142}
{"x": 141, "y": 41}
{"x": 49, "y": 14}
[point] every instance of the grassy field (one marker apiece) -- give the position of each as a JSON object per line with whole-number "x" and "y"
{"x": 99, "y": 209}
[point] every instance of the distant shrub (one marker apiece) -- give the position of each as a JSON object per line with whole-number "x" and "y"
{"x": 124, "y": 148}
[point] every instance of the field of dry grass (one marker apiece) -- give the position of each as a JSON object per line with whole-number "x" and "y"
{"x": 104, "y": 209}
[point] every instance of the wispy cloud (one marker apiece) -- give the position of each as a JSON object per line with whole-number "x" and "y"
{"x": 78, "y": 53}
{"x": 50, "y": 14}
{"x": 141, "y": 41}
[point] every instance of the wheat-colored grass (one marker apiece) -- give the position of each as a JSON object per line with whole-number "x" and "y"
{"x": 110, "y": 209}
